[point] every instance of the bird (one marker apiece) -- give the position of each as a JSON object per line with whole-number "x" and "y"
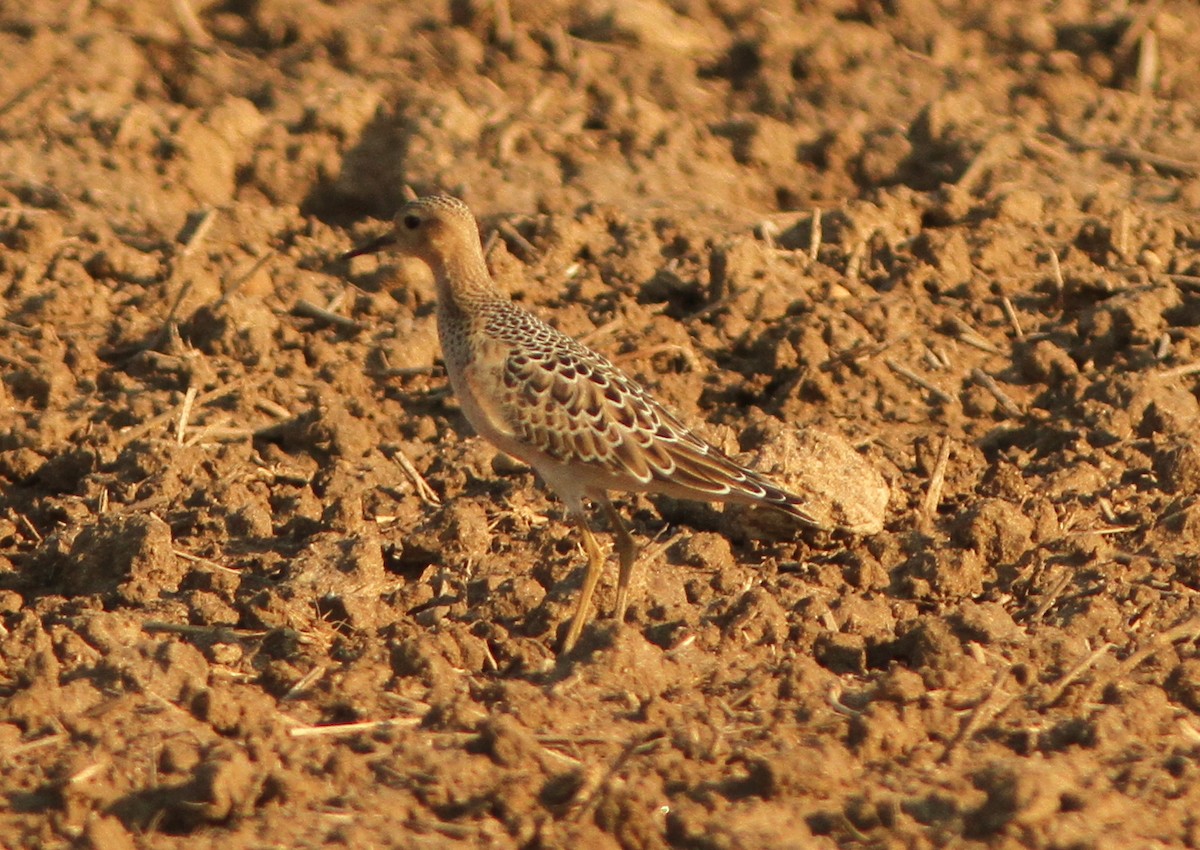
{"x": 584, "y": 426}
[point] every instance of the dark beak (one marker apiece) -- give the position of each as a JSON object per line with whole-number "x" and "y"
{"x": 376, "y": 244}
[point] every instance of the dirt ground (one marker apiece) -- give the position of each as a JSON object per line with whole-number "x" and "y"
{"x": 260, "y": 586}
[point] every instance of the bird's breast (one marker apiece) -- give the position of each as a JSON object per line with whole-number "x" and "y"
{"x": 474, "y": 362}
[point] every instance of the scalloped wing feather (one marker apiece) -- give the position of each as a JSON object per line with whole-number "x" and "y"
{"x": 575, "y": 406}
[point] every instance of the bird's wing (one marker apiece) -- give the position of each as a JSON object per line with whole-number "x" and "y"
{"x": 575, "y": 406}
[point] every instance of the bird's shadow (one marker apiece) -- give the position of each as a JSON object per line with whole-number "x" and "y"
{"x": 372, "y": 178}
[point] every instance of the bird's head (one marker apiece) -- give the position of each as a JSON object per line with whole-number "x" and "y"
{"x": 437, "y": 229}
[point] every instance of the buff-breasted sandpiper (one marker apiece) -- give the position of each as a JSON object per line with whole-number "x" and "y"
{"x": 583, "y": 425}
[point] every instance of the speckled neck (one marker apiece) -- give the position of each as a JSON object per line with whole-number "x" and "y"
{"x": 464, "y": 281}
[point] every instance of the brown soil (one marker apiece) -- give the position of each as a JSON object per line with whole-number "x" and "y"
{"x": 961, "y": 237}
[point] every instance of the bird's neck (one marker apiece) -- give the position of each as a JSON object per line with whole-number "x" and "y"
{"x": 465, "y": 282}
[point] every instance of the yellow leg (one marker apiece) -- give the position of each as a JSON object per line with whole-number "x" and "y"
{"x": 626, "y": 553}
{"x": 591, "y": 578}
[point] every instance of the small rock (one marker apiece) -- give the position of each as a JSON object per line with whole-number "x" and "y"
{"x": 841, "y": 653}
{"x": 842, "y": 489}
{"x": 130, "y": 555}
{"x": 996, "y": 529}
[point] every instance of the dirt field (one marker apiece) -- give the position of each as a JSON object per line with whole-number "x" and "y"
{"x": 260, "y": 586}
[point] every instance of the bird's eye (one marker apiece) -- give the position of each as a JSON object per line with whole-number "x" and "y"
{"x": 412, "y": 222}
